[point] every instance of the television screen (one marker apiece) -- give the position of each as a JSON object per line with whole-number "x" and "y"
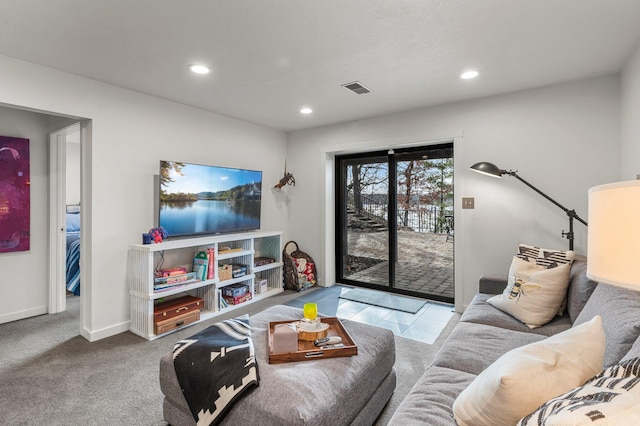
{"x": 199, "y": 199}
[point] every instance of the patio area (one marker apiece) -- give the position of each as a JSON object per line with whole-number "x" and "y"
{"x": 425, "y": 261}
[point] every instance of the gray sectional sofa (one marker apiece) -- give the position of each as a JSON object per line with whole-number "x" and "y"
{"x": 485, "y": 333}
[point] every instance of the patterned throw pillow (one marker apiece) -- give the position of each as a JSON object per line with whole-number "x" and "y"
{"x": 534, "y": 293}
{"x": 610, "y": 398}
{"x": 549, "y": 258}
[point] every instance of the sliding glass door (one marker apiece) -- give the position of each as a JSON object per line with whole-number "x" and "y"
{"x": 363, "y": 214}
{"x": 394, "y": 216}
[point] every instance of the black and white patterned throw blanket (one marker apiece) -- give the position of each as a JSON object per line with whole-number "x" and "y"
{"x": 215, "y": 367}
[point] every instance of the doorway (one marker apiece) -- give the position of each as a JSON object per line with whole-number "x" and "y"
{"x": 65, "y": 190}
{"x": 394, "y": 221}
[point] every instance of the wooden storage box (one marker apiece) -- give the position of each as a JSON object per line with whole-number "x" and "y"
{"x": 176, "y": 322}
{"x": 174, "y": 307}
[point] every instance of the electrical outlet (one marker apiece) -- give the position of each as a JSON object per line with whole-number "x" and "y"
{"x": 468, "y": 202}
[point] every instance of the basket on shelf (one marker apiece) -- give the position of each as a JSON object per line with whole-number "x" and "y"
{"x": 299, "y": 269}
{"x": 224, "y": 272}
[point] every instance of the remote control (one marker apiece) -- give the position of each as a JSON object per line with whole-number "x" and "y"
{"x": 339, "y": 345}
{"x": 332, "y": 340}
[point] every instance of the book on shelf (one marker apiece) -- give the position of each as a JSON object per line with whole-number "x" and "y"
{"x": 172, "y": 282}
{"x": 200, "y": 265}
{"x": 223, "y": 303}
{"x": 167, "y": 288}
{"x": 175, "y": 279}
{"x": 178, "y": 270}
{"x": 224, "y": 249}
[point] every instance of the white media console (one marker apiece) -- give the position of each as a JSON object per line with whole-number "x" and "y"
{"x": 241, "y": 248}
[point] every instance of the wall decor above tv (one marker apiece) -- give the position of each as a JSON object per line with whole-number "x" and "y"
{"x": 198, "y": 199}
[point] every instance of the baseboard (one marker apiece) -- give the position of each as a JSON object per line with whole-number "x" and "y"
{"x": 27, "y": 313}
{"x": 103, "y": 333}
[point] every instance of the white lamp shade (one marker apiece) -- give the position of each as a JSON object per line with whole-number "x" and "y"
{"x": 613, "y": 251}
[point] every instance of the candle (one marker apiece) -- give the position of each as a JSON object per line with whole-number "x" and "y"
{"x": 310, "y": 311}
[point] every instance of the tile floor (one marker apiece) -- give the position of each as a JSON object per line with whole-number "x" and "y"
{"x": 424, "y": 326}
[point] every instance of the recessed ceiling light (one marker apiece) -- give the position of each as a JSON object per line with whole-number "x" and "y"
{"x": 199, "y": 69}
{"x": 306, "y": 110}
{"x": 469, "y": 74}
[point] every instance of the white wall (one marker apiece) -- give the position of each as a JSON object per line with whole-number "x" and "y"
{"x": 630, "y": 124}
{"x": 23, "y": 275}
{"x": 130, "y": 133}
{"x": 563, "y": 139}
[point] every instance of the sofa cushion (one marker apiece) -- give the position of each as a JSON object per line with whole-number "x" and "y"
{"x": 610, "y": 398}
{"x": 620, "y": 312}
{"x": 522, "y": 379}
{"x": 473, "y": 347}
{"x": 492, "y": 284}
{"x": 634, "y": 352}
{"x": 534, "y": 293}
{"x": 481, "y": 312}
{"x": 580, "y": 287}
{"x": 431, "y": 399}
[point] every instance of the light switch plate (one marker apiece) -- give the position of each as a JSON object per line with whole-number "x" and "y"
{"x": 468, "y": 202}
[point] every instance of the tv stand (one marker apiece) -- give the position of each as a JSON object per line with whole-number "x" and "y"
{"x": 145, "y": 259}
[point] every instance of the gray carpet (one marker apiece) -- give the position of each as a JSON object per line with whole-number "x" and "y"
{"x": 50, "y": 375}
{"x": 384, "y": 300}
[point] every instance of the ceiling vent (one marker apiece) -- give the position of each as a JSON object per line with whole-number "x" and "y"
{"x": 356, "y": 87}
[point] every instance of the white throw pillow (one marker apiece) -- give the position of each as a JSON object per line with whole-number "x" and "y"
{"x": 524, "y": 378}
{"x": 612, "y": 398}
{"x": 534, "y": 293}
{"x": 549, "y": 258}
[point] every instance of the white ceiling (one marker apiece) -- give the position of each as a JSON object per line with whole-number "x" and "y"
{"x": 271, "y": 57}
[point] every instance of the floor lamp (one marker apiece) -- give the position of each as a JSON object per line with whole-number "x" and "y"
{"x": 491, "y": 169}
{"x": 613, "y": 246}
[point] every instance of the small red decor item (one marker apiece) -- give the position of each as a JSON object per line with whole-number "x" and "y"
{"x": 158, "y": 234}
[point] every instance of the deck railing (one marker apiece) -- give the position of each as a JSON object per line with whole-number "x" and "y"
{"x": 429, "y": 218}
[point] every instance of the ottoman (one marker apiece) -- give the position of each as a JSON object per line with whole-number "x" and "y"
{"x": 337, "y": 391}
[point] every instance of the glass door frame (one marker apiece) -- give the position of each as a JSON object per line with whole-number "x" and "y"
{"x": 341, "y": 229}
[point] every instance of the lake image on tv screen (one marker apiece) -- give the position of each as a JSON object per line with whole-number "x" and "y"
{"x": 199, "y": 199}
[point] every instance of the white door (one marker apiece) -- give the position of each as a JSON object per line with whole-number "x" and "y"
{"x": 58, "y": 183}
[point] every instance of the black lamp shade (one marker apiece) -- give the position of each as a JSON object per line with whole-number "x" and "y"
{"x": 487, "y": 169}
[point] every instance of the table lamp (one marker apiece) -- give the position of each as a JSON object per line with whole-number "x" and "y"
{"x": 613, "y": 250}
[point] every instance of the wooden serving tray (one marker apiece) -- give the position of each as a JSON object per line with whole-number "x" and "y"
{"x": 307, "y": 351}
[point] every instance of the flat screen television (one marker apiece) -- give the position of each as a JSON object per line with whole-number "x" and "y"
{"x": 197, "y": 199}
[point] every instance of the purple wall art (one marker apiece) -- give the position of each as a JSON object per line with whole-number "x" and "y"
{"x": 15, "y": 194}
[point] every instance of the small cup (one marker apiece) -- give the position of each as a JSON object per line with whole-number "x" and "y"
{"x": 146, "y": 238}
{"x": 310, "y": 311}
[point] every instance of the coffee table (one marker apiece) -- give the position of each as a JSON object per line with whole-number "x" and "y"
{"x": 337, "y": 391}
